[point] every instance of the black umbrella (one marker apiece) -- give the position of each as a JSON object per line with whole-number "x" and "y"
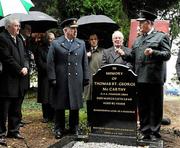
{"x": 102, "y": 25}
{"x": 39, "y": 21}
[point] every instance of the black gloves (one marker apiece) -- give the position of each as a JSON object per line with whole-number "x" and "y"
{"x": 179, "y": 78}
{"x": 52, "y": 82}
{"x": 85, "y": 82}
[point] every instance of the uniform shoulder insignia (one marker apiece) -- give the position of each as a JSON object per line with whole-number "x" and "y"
{"x": 161, "y": 32}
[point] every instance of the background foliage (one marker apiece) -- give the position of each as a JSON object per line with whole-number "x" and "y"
{"x": 121, "y": 11}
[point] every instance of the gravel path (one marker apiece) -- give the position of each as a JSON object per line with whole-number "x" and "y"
{"x": 99, "y": 145}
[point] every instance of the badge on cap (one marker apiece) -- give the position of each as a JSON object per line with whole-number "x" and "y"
{"x": 146, "y": 15}
{"x": 71, "y": 22}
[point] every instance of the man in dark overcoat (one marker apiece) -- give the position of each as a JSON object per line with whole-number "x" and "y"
{"x": 68, "y": 72}
{"x": 15, "y": 68}
{"x": 44, "y": 91}
{"x": 24, "y": 35}
{"x": 94, "y": 55}
{"x": 150, "y": 52}
{"x": 110, "y": 55}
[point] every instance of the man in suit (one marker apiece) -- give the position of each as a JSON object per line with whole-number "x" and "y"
{"x": 15, "y": 68}
{"x": 110, "y": 56}
{"x": 24, "y": 35}
{"x": 150, "y": 52}
{"x": 95, "y": 60}
{"x": 68, "y": 72}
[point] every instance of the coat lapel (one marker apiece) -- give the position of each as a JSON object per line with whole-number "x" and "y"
{"x": 17, "y": 46}
{"x": 146, "y": 37}
{"x": 74, "y": 45}
{"x": 150, "y": 35}
{"x": 20, "y": 47}
{"x": 114, "y": 55}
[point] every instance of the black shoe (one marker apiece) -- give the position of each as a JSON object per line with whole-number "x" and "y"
{"x": 75, "y": 131}
{"x": 58, "y": 135}
{"x": 45, "y": 120}
{"x": 23, "y": 123}
{"x": 144, "y": 137}
{"x": 166, "y": 121}
{"x": 15, "y": 135}
{"x": 3, "y": 141}
{"x": 155, "y": 136}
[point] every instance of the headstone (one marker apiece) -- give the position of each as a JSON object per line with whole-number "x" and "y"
{"x": 113, "y": 110}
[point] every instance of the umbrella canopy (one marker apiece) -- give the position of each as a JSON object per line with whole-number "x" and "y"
{"x": 101, "y": 25}
{"x": 14, "y": 6}
{"x": 39, "y": 21}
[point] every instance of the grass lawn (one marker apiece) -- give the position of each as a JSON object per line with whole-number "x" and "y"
{"x": 31, "y": 108}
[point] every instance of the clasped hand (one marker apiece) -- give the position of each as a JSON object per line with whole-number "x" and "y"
{"x": 148, "y": 51}
{"x": 24, "y": 71}
{"x": 120, "y": 51}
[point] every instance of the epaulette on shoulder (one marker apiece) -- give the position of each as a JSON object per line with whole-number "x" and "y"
{"x": 161, "y": 32}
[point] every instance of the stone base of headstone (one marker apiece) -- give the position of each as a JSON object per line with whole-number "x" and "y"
{"x": 122, "y": 140}
{"x": 151, "y": 144}
{"x": 69, "y": 141}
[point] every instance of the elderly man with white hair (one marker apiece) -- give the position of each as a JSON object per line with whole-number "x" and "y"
{"x": 111, "y": 56}
{"x": 15, "y": 68}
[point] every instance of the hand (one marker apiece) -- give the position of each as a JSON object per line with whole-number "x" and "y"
{"x": 24, "y": 71}
{"x": 85, "y": 82}
{"x": 53, "y": 83}
{"x": 120, "y": 51}
{"x": 88, "y": 54}
{"x": 148, "y": 51}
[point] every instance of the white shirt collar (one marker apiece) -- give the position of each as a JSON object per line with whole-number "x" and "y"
{"x": 68, "y": 39}
{"x": 152, "y": 29}
{"x": 94, "y": 48}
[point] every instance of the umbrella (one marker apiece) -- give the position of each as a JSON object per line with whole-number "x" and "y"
{"x": 14, "y": 6}
{"x": 102, "y": 25}
{"x": 39, "y": 21}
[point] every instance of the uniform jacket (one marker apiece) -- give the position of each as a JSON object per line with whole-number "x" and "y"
{"x": 111, "y": 57}
{"x": 13, "y": 60}
{"x": 68, "y": 65}
{"x": 43, "y": 83}
{"x": 151, "y": 69}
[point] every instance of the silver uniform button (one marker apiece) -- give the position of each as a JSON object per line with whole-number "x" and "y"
{"x": 75, "y": 54}
{"x": 76, "y": 64}
{"x": 69, "y": 64}
{"x": 76, "y": 73}
{"x": 69, "y": 53}
{"x": 69, "y": 74}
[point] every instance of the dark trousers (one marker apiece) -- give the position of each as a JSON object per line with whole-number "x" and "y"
{"x": 48, "y": 111}
{"x": 21, "y": 99}
{"x": 60, "y": 119}
{"x": 9, "y": 110}
{"x": 150, "y": 105}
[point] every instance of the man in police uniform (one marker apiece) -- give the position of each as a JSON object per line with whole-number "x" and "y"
{"x": 150, "y": 52}
{"x": 68, "y": 72}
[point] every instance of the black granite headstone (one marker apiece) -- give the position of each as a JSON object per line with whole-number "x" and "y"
{"x": 113, "y": 110}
